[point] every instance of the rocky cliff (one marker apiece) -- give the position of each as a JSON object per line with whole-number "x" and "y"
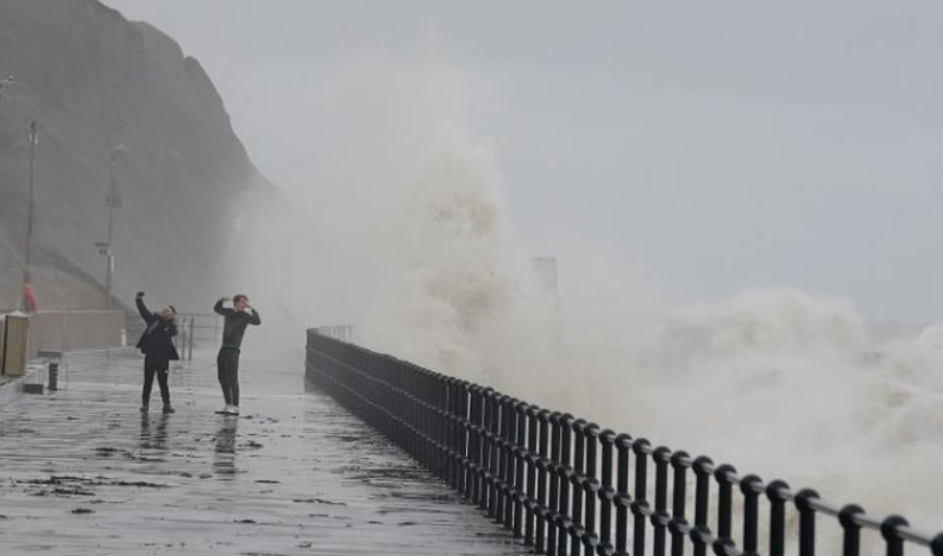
{"x": 93, "y": 80}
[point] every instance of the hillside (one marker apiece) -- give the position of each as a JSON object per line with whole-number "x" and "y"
{"x": 93, "y": 80}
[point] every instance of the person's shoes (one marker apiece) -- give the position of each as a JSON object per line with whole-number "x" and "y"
{"x": 234, "y": 410}
{"x": 143, "y": 408}
{"x": 168, "y": 409}
{"x": 224, "y": 410}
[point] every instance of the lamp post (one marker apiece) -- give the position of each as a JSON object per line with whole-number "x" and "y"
{"x": 112, "y": 202}
{"x": 5, "y": 81}
{"x": 27, "y": 277}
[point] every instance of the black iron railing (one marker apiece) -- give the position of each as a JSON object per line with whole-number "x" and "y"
{"x": 566, "y": 487}
{"x": 197, "y": 329}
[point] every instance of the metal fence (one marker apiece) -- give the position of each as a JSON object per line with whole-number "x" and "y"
{"x": 197, "y": 329}
{"x": 563, "y": 486}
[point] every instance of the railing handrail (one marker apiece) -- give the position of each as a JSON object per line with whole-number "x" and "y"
{"x": 496, "y": 410}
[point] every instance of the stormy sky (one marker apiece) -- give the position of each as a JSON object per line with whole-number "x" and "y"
{"x": 715, "y": 146}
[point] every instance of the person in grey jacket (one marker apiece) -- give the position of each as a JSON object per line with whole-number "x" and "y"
{"x": 237, "y": 319}
{"x": 158, "y": 347}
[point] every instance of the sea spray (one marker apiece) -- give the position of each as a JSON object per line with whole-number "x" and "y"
{"x": 422, "y": 256}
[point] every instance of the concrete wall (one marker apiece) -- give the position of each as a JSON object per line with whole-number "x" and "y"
{"x": 71, "y": 330}
{"x": 15, "y": 337}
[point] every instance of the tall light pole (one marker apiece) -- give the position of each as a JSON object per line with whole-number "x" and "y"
{"x": 5, "y": 81}
{"x": 112, "y": 202}
{"x": 27, "y": 278}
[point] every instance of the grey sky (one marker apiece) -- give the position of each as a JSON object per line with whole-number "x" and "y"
{"x": 715, "y": 145}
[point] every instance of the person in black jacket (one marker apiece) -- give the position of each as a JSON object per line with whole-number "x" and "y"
{"x": 237, "y": 319}
{"x": 157, "y": 345}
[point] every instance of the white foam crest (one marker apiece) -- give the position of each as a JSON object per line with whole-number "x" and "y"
{"x": 777, "y": 381}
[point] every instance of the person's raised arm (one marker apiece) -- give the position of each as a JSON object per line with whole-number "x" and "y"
{"x": 142, "y": 308}
{"x": 219, "y": 309}
{"x": 172, "y": 328}
{"x": 254, "y": 318}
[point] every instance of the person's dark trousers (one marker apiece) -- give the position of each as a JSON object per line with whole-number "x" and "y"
{"x": 156, "y": 366}
{"x": 227, "y": 364}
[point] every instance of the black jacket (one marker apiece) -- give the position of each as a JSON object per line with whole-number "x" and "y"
{"x": 156, "y": 340}
{"x": 235, "y": 324}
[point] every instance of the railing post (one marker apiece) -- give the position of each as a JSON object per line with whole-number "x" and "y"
{"x": 532, "y": 500}
{"x": 485, "y": 477}
{"x": 890, "y": 530}
{"x": 806, "y": 521}
{"x": 640, "y": 507}
{"x": 723, "y": 475}
{"x": 554, "y": 469}
{"x": 851, "y": 541}
{"x": 507, "y": 517}
{"x": 936, "y": 545}
{"x": 520, "y": 450}
{"x": 504, "y": 434}
{"x": 564, "y": 520}
{"x": 472, "y": 481}
{"x": 544, "y": 477}
{"x": 591, "y": 488}
{"x": 452, "y": 425}
{"x": 577, "y": 482}
{"x": 750, "y": 486}
{"x": 623, "y": 498}
{"x": 680, "y": 461}
{"x": 777, "y": 517}
{"x": 700, "y": 535}
{"x": 662, "y": 457}
{"x": 607, "y": 493}
{"x": 460, "y": 438}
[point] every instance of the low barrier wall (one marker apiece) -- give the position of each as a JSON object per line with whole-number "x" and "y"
{"x": 71, "y": 330}
{"x": 60, "y": 331}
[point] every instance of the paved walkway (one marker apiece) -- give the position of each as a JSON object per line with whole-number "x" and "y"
{"x": 81, "y": 472}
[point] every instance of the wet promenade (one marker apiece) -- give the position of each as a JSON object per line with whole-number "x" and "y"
{"x": 81, "y": 472}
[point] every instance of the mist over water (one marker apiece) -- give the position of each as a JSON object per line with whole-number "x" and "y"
{"x": 405, "y": 232}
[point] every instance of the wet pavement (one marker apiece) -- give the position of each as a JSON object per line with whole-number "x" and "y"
{"x": 82, "y": 472}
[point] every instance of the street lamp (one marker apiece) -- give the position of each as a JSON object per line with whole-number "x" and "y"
{"x": 8, "y": 80}
{"x": 28, "y": 299}
{"x": 112, "y": 202}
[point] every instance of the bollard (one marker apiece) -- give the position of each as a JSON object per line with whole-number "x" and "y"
{"x": 53, "y": 376}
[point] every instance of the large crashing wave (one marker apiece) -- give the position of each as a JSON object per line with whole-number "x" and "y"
{"x": 776, "y": 381}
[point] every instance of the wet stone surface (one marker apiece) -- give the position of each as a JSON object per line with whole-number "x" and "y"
{"x": 83, "y": 472}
